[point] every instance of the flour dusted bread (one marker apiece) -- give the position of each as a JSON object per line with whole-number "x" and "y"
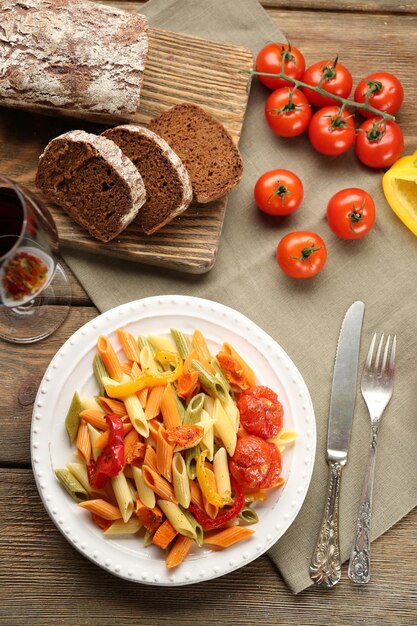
{"x": 168, "y": 186}
{"x": 93, "y": 181}
{"x": 204, "y": 146}
{"x": 72, "y": 57}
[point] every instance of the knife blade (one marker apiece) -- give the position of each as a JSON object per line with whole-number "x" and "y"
{"x": 325, "y": 567}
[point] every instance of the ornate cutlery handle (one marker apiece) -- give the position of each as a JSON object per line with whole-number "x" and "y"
{"x": 360, "y": 559}
{"x": 325, "y": 567}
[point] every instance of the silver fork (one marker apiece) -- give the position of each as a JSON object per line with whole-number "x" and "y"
{"x": 376, "y": 386}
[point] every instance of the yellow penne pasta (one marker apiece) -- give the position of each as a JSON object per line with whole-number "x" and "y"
{"x": 129, "y": 344}
{"x": 119, "y": 527}
{"x": 164, "y": 454}
{"x": 90, "y": 403}
{"x": 221, "y": 472}
{"x": 83, "y": 442}
{"x": 145, "y": 493}
{"x": 109, "y": 357}
{"x": 207, "y": 441}
{"x": 223, "y": 428}
{"x": 177, "y": 518}
{"x": 228, "y": 536}
{"x": 102, "y": 508}
{"x": 284, "y": 439}
{"x": 153, "y": 402}
{"x": 95, "y": 436}
{"x": 158, "y": 484}
{"x": 147, "y": 361}
{"x": 248, "y": 371}
{"x": 180, "y": 481}
{"x": 123, "y": 495}
{"x": 169, "y": 408}
{"x": 160, "y": 342}
{"x": 232, "y": 412}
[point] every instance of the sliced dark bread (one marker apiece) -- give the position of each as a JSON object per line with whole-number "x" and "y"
{"x": 212, "y": 160}
{"x": 90, "y": 177}
{"x": 167, "y": 184}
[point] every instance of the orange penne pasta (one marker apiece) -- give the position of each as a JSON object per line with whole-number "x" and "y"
{"x": 164, "y": 454}
{"x": 228, "y": 536}
{"x": 169, "y": 409}
{"x": 158, "y": 484}
{"x": 109, "y": 357}
{"x": 126, "y": 368}
{"x": 129, "y": 344}
{"x": 150, "y": 518}
{"x": 102, "y": 508}
{"x": 199, "y": 344}
{"x": 153, "y": 402}
{"x": 84, "y": 442}
{"x": 150, "y": 458}
{"x": 196, "y": 495}
{"x": 102, "y": 441}
{"x": 164, "y": 535}
{"x": 154, "y": 428}
{"x": 95, "y": 418}
{"x": 210, "y": 509}
{"x": 248, "y": 371}
{"x": 113, "y": 406}
{"x": 179, "y": 551}
{"x": 135, "y": 372}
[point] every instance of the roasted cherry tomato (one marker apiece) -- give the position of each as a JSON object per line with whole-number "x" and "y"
{"x": 269, "y": 60}
{"x": 250, "y": 462}
{"x": 301, "y": 254}
{"x": 351, "y": 213}
{"x": 332, "y": 76}
{"x": 260, "y": 412}
{"x": 275, "y": 468}
{"x": 379, "y": 143}
{"x": 382, "y": 91}
{"x": 278, "y": 192}
{"x": 287, "y": 112}
{"x": 331, "y": 131}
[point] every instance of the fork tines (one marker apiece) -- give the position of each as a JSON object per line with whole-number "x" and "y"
{"x": 376, "y": 365}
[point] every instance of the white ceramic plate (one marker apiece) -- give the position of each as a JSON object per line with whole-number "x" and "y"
{"x": 71, "y": 370}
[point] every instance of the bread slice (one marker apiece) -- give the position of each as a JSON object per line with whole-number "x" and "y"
{"x": 204, "y": 146}
{"x": 167, "y": 184}
{"x": 93, "y": 181}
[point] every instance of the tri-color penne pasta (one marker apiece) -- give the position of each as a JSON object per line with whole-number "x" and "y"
{"x": 177, "y": 446}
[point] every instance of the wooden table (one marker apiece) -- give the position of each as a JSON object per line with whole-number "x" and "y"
{"x": 43, "y": 580}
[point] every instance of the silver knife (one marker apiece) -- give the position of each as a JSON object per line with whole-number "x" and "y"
{"x": 325, "y": 567}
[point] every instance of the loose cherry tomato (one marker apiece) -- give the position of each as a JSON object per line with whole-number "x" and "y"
{"x": 301, "y": 254}
{"x": 331, "y": 130}
{"x": 250, "y": 462}
{"x": 287, "y": 112}
{"x": 351, "y": 213}
{"x": 278, "y": 192}
{"x": 269, "y": 60}
{"x": 384, "y": 92}
{"x": 275, "y": 468}
{"x": 260, "y": 412}
{"x": 379, "y": 143}
{"x": 332, "y": 76}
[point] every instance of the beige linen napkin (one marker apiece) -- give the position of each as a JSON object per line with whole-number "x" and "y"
{"x": 303, "y": 316}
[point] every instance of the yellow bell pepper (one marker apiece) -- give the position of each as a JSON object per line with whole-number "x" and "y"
{"x": 209, "y": 493}
{"x": 400, "y": 188}
{"x": 149, "y": 380}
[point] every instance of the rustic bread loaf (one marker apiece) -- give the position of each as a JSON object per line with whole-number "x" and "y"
{"x": 204, "y": 146}
{"x": 90, "y": 177}
{"x": 167, "y": 184}
{"x": 72, "y": 57}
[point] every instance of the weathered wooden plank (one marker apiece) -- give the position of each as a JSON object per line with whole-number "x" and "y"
{"x": 60, "y": 586}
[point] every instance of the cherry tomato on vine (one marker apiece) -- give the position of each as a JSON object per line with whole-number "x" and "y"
{"x": 351, "y": 213}
{"x": 278, "y": 192}
{"x": 301, "y": 254}
{"x": 287, "y": 112}
{"x": 331, "y": 130}
{"x": 269, "y": 60}
{"x": 379, "y": 143}
{"x": 384, "y": 92}
{"x": 332, "y": 76}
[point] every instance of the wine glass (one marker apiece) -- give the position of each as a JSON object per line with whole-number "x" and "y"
{"x": 35, "y": 293}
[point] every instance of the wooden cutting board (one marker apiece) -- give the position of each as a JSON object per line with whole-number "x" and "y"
{"x": 179, "y": 68}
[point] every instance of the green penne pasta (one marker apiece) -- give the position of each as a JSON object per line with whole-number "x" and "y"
{"x": 99, "y": 371}
{"x": 248, "y": 515}
{"x": 180, "y": 406}
{"x": 183, "y": 343}
{"x": 198, "y": 529}
{"x": 144, "y": 341}
{"x": 147, "y": 539}
{"x": 209, "y": 382}
{"x": 193, "y": 410}
{"x": 191, "y": 456}
{"x": 219, "y": 375}
{"x": 72, "y": 420}
{"x": 71, "y": 484}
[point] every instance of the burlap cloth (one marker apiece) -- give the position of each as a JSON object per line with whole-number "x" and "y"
{"x": 303, "y": 316}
